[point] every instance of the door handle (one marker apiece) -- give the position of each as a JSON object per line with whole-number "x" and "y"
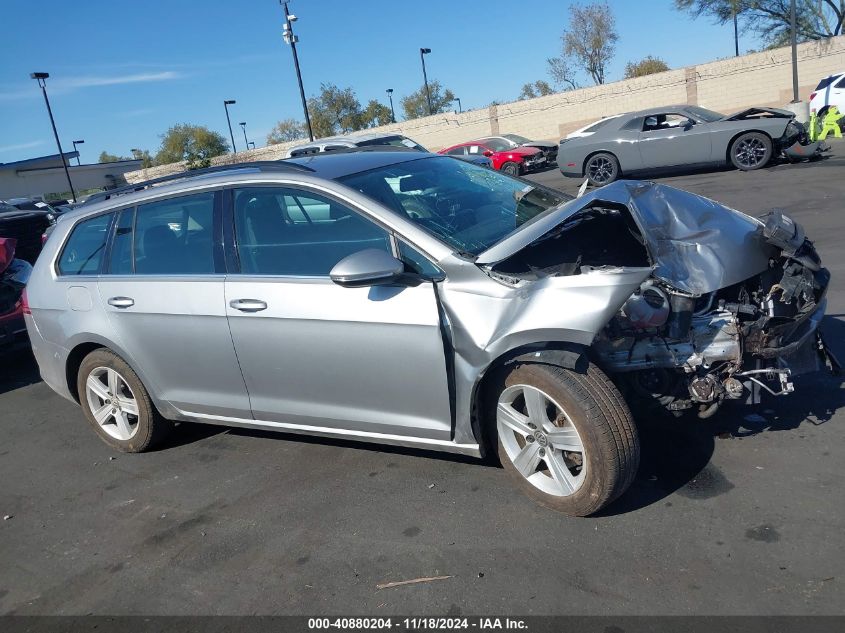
{"x": 122, "y": 302}
{"x": 248, "y": 305}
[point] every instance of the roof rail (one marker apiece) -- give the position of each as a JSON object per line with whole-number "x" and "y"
{"x": 260, "y": 166}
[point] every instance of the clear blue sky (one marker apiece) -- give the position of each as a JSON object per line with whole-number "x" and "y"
{"x": 122, "y": 73}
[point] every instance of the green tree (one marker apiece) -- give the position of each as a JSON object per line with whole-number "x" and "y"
{"x": 589, "y": 44}
{"x": 375, "y": 114}
{"x": 144, "y": 156}
{"x": 534, "y": 89}
{"x": 286, "y": 130}
{"x": 334, "y": 111}
{"x": 646, "y": 66}
{"x": 770, "y": 19}
{"x": 105, "y": 157}
{"x": 415, "y": 104}
{"x": 194, "y": 144}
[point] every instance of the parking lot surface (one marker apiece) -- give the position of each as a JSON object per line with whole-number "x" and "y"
{"x": 742, "y": 514}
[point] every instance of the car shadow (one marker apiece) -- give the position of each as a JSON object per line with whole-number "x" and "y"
{"x": 676, "y": 454}
{"x": 17, "y": 369}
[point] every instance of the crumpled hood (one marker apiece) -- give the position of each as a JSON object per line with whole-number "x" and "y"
{"x": 7, "y": 252}
{"x": 695, "y": 244}
{"x": 777, "y": 112}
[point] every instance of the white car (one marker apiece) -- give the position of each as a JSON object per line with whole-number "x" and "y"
{"x": 829, "y": 92}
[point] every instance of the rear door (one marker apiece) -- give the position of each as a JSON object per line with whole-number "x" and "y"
{"x": 667, "y": 140}
{"x": 314, "y": 353}
{"x": 163, "y": 289}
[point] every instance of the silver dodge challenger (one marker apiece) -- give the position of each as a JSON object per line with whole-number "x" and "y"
{"x": 678, "y": 136}
{"x": 411, "y": 299}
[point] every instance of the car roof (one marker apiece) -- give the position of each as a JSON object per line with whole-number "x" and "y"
{"x": 650, "y": 111}
{"x": 347, "y": 139}
{"x": 313, "y": 167}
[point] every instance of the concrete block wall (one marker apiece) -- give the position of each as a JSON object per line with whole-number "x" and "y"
{"x": 725, "y": 85}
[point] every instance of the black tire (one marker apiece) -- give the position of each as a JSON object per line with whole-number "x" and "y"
{"x": 602, "y": 169}
{"x": 149, "y": 428}
{"x": 511, "y": 168}
{"x": 751, "y": 151}
{"x": 593, "y": 405}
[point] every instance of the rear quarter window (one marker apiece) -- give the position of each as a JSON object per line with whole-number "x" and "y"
{"x": 83, "y": 251}
{"x": 824, "y": 83}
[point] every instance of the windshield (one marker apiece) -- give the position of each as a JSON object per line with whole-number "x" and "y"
{"x": 703, "y": 114}
{"x": 516, "y": 138}
{"x": 468, "y": 207}
{"x": 497, "y": 144}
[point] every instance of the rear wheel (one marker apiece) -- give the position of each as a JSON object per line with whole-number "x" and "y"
{"x": 567, "y": 439}
{"x": 510, "y": 168}
{"x": 751, "y": 150}
{"x": 117, "y": 405}
{"x": 602, "y": 169}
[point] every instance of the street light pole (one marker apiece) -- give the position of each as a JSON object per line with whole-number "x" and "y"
{"x": 290, "y": 38}
{"x": 460, "y": 108}
{"x": 75, "y": 143}
{"x": 42, "y": 82}
{"x": 392, "y": 112}
{"x": 243, "y": 127}
{"x": 226, "y": 104}
{"x": 795, "y": 98}
{"x": 423, "y": 53}
{"x": 736, "y": 33}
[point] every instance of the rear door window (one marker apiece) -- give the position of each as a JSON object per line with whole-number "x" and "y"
{"x": 175, "y": 236}
{"x": 83, "y": 252}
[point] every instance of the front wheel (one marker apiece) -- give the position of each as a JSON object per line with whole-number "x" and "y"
{"x": 750, "y": 151}
{"x": 602, "y": 169}
{"x": 566, "y": 439}
{"x": 510, "y": 168}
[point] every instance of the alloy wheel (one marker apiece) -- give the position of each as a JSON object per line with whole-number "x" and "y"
{"x": 540, "y": 440}
{"x": 750, "y": 152}
{"x": 112, "y": 403}
{"x": 600, "y": 169}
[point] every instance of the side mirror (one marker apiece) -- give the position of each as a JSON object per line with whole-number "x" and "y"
{"x": 651, "y": 122}
{"x": 370, "y": 267}
{"x": 688, "y": 124}
{"x": 488, "y": 153}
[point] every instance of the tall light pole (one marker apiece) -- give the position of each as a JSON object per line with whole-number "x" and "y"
{"x": 795, "y": 98}
{"x": 392, "y": 112}
{"x": 423, "y": 53}
{"x": 75, "y": 143}
{"x": 460, "y": 109}
{"x": 290, "y": 38}
{"x": 736, "y": 32}
{"x": 42, "y": 81}
{"x": 243, "y": 127}
{"x": 226, "y": 104}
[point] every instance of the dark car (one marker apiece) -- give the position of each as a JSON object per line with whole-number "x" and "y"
{"x": 26, "y": 226}
{"x": 14, "y": 273}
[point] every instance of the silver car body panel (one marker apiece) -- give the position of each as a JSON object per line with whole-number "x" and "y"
{"x": 638, "y": 150}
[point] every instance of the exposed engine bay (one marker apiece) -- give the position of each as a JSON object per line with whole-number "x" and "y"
{"x": 731, "y": 310}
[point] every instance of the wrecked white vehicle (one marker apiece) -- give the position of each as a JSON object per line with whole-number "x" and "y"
{"x": 410, "y": 299}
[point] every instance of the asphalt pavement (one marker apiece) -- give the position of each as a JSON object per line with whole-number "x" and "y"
{"x": 743, "y": 514}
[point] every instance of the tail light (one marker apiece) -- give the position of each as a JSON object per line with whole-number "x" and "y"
{"x": 25, "y": 303}
{"x": 813, "y": 95}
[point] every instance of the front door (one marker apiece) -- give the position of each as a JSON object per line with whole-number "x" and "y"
{"x": 669, "y": 139}
{"x": 162, "y": 288}
{"x": 314, "y": 353}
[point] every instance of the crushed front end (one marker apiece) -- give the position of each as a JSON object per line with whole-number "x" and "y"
{"x": 731, "y": 310}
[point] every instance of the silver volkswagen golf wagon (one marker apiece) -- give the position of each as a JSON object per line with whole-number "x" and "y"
{"x": 384, "y": 296}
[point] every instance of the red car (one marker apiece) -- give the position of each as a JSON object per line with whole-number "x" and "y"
{"x": 513, "y": 161}
{"x": 14, "y": 273}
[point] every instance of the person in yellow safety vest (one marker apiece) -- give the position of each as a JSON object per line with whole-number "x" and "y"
{"x": 813, "y": 127}
{"x": 830, "y": 123}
